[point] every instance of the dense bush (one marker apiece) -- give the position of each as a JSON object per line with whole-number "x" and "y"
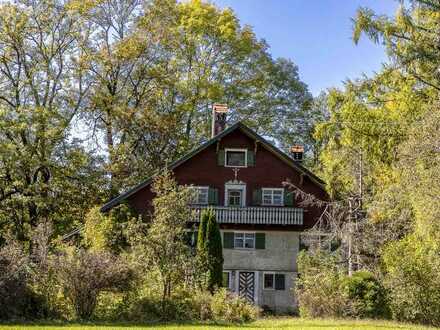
{"x": 84, "y": 275}
{"x": 412, "y": 277}
{"x": 17, "y": 300}
{"x": 229, "y": 307}
{"x": 198, "y": 305}
{"x": 367, "y": 294}
{"x": 319, "y": 288}
{"x": 325, "y": 290}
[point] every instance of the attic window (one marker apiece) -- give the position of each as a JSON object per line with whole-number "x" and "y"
{"x": 236, "y": 158}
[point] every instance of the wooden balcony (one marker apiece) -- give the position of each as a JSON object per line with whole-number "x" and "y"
{"x": 254, "y": 215}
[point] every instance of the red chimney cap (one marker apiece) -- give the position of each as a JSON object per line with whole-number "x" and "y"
{"x": 297, "y": 148}
{"x": 220, "y": 108}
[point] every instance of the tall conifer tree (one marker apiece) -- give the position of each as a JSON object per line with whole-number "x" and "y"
{"x": 202, "y": 262}
{"x": 214, "y": 252}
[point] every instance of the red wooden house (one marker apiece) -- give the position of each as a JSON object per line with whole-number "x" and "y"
{"x": 240, "y": 175}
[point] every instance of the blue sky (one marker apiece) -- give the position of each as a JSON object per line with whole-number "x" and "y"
{"x": 316, "y": 35}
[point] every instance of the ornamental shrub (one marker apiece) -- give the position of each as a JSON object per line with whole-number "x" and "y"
{"x": 367, "y": 294}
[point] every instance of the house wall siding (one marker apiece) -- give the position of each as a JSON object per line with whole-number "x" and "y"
{"x": 276, "y": 300}
{"x": 202, "y": 169}
{"x": 279, "y": 254}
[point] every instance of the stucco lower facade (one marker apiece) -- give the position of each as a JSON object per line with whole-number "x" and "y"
{"x": 265, "y": 273}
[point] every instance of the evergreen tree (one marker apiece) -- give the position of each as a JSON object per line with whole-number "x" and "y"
{"x": 214, "y": 253}
{"x": 201, "y": 236}
{"x": 202, "y": 262}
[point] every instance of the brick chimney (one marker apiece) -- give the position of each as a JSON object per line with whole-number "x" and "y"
{"x": 297, "y": 152}
{"x": 219, "y": 112}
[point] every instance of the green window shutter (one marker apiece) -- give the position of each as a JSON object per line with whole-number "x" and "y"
{"x": 221, "y": 158}
{"x": 288, "y": 198}
{"x": 228, "y": 240}
{"x": 256, "y": 197}
{"x": 280, "y": 282}
{"x": 250, "y": 158}
{"x": 213, "y": 196}
{"x": 260, "y": 241}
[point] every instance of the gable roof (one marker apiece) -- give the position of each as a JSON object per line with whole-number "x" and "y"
{"x": 247, "y": 131}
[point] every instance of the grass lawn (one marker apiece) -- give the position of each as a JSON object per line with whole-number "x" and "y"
{"x": 267, "y": 323}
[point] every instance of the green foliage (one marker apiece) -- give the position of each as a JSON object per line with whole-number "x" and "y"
{"x": 319, "y": 288}
{"x": 412, "y": 267}
{"x": 410, "y": 37}
{"x": 108, "y": 231}
{"x": 325, "y": 290}
{"x": 180, "y": 58}
{"x": 214, "y": 252}
{"x": 160, "y": 247}
{"x": 17, "y": 299}
{"x": 201, "y": 253}
{"x": 228, "y": 307}
{"x": 367, "y": 294}
{"x": 83, "y": 275}
{"x": 45, "y": 174}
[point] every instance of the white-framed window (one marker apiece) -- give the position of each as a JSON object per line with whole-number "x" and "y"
{"x": 236, "y": 157}
{"x": 273, "y": 196}
{"x": 244, "y": 240}
{"x": 234, "y": 197}
{"x": 269, "y": 281}
{"x": 235, "y": 194}
{"x": 200, "y": 196}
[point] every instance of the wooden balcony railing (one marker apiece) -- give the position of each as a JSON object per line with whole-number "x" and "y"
{"x": 253, "y": 215}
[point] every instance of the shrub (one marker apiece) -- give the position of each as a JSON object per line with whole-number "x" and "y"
{"x": 226, "y": 306}
{"x": 17, "y": 300}
{"x": 191, "y": 305}
{"x": 83, "y": 275}
{"x": 319, "y": 288}
{"x": 367, "y": 294}
{"x": 412, "y": 268}
{"x": 202, "y": 305}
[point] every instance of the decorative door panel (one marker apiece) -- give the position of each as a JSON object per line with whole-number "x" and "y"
{"x": 246, "y": 285}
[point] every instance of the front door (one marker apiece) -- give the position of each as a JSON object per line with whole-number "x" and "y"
{"x": 246, "y": 285}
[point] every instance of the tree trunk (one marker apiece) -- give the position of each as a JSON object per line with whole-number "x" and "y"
{"x": 111, "y": 155}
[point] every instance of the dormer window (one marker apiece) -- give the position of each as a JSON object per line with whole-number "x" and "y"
{"x": 236, "y": 158}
